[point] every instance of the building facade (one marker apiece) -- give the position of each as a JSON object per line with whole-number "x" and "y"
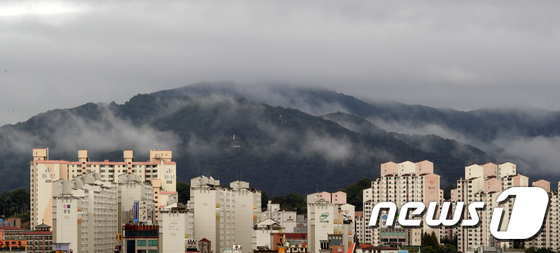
{"x": 224, "y": 215}
{"x": 484, "y": 183}
{"x": 326, "y": 220}
{"x": 12, "y": 239}
{"x": 140, "y": 238}
{"x": 85, "y": 213}
{"x": 399, "y": 183}
{"x": 159, "y": 170}
{"x": 39, "y": 240}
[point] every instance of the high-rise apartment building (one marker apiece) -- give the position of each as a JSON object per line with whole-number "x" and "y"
{"x": 484, "y": 183}
{"x": 159, "y": 170}
{"x": 415, "y": 182}
{"x": 224, "y": 215}
{"x": 399, "y": 183}
{"x": 135, "y": 201}
{"x": 174, "y": 229}
{"x": 329, "y": 222}
{"x": 549, "y": 235}
{"x": 85, "y": 213}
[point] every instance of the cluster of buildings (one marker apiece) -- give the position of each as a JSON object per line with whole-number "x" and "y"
{"x": 15, "y": 238}
{"x": 133, "y": 206}
{"x": 405, "y": 182}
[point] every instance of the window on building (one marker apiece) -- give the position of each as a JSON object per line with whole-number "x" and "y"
{"x": 152, "y": 243}
{"x": 141, "y": 243}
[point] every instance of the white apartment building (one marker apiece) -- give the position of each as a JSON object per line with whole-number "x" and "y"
{"x": 286, "y": 218}
{"x": 326, "y": 219}
{"x": 159, "y": 170}
{"x": 247, "y": 209}
{"x": 135, "y": 200}
{"x": 224, "y": 215}
{"x": 399, "y": 183}
{"x": 262, "y": 231}
{"x": 85, "y": 214}
{"x": 174, "y": 229}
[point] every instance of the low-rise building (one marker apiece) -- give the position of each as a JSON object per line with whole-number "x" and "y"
{"x": 12, "y": 239}
{"x": 40, "y": 239}
{"x": 141, "y": 238}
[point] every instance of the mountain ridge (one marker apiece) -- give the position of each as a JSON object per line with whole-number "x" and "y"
{"x": 218, "y": 129}
{"x": 276, "y": 149}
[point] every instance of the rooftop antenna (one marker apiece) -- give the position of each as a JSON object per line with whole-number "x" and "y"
{"x": 317, "y": 187}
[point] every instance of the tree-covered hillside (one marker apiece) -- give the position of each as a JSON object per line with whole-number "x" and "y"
{"x": 279, "y": 150}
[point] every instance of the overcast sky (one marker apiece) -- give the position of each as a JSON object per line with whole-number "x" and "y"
{"x": 455, "y": 54}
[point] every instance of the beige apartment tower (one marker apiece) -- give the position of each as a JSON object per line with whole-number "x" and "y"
{"x": 484, "y": 183}
{"x": 159, "y": 170}
{"x": 85, "y": 214}
{"x": 399, "y": 183}
{"x": 224, "y": 215}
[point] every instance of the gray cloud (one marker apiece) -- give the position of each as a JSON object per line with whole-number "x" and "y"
{"x": 536, "y": 157}
{"x": 67, "y": 132}
{"x": 463, "y": 55}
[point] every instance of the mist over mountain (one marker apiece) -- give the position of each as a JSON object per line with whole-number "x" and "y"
{"x": 276, "y": 149}
{"x": 283, "y": 138}
{"x": 529, "y": 137}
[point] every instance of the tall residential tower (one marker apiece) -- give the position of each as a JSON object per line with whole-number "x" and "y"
{"x": 159, "y": 170}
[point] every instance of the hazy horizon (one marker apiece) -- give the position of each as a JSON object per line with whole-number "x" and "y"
{"x": 460, "y": 55}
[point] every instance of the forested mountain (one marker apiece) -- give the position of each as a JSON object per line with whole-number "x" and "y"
{"x": 281, "y": 139}
{"x": 528, "y": 137}
{"x": 276, "y": 149}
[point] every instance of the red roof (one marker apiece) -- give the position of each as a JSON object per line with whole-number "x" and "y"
{"x": 378, "y": 248}
{"x": 365, "y": 245}
{"x": 10, "y": 228}
{"x": 38, "y": 233}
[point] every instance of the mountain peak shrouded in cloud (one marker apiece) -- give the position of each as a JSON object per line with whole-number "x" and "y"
{"x": 269, "y": 134}
{"x": 229, "y": 137}
{"x": 527, "y": 136}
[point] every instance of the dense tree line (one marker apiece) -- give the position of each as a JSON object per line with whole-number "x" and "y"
{"x": 293, "y": 201}
{"x": 184, "y": 191}
{"x": 14, "y": 202}
{"x": 354, "y": 193}
{"x": 430, "y": 244}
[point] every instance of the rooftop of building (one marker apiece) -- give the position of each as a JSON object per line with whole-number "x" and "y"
{"x": 376, "y": 248}
{"x": 100, "y": 163}
{"x": 38, "y": 233}
{"x": 10, "y": 228}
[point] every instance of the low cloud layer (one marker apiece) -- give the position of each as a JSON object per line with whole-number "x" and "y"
{"x": 463, "y": 55}
{"x": 67, "y": 132}
{"x": 536, "y": 157}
